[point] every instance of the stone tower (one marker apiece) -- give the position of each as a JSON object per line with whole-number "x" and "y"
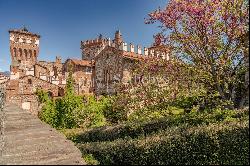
{"x": 91, "y": 48}
{"x": 118, "y": 38}
{"x": 24, "y": 47}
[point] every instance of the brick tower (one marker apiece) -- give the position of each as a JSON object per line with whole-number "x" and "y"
{"x": 91, "y": 48}
{"x": 118, "y": 38}
{"x": 24, "y": 47}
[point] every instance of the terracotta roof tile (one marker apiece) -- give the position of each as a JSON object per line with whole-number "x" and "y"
{"x": 81, "y": 62}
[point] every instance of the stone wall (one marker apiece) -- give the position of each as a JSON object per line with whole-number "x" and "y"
{"x": 27, "y": 102}
{"x": 22, "y": 92}
{"x": 2, "y": 101}
{"x": 108, "y": 70}
{"x": 2, "y": 96}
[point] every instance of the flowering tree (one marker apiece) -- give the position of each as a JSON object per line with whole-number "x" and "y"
{"x": 207, "y": 34}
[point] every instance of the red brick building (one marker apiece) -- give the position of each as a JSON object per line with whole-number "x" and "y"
{"x": 104, "y": 63}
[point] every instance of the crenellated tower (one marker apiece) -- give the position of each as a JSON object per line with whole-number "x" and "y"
{"x": 118, "y": 38}
{"x": 24, "y": 47}
{"x": 91, "y": 48}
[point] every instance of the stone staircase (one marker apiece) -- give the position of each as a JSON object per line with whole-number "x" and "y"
{"x": 27, "y": 140}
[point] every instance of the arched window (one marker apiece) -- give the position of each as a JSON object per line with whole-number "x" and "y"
{"x": 20, "y": 52}
{"x": 14, "y": 51}
{"x": 109, "y": 75}
{"x": 35, "y": 53}
{"x": 106, "y": 75}
{"x": 30, "y": 54}
{"x": 29, "y": 81}
{"x": 85, "y": 81}
{"x": 26, "y": 54}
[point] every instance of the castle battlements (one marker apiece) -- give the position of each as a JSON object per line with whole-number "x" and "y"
{"x": 91, "y": 48}
{"x": 96, "y": 41}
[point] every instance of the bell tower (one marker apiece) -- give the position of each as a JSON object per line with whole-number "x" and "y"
{"x": 24, "y": 47}
{"x": 118, "y": 38}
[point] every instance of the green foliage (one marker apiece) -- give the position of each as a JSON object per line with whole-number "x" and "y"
{"x": 70, "y": 111}
{"x": 223, "y": 143}
{"x": 91, "y": 113}
{"x": 136, "y": 129}
{"x": 116, "y": 110}
{"x": 210, "y": 35}
{"x": 42, "y": 95}
{"x": 49, "y": 114}
{"x": 90, "y": 160}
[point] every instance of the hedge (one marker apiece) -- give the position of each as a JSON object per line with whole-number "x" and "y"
{"x": 135, "y": 130}
{"x": 216, "y": 144}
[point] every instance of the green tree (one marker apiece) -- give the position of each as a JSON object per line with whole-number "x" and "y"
{"x": 208, "y": 35}
{"x": 69, "y": 103}
{"x": 49, "y": 113}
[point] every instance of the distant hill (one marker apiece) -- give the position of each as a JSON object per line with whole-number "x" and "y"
{"x": 6, "y": 73}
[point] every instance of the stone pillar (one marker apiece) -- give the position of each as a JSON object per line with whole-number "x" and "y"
{"x": 139, "y": 49}
{"x": 145, "y": 51}
{"x": 132, "y": 48}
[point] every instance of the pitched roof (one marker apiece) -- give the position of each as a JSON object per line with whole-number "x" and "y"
{"x": 133, "y": 55}
{"x": 81, "y": 62}
{"x": 126, "y": 54}
{"x": 22, "y": 77}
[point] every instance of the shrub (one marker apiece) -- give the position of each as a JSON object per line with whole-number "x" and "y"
{"x": 91, "y": 113}
{"x": 70, "y": 111}
{"x": 116, "y": 110}
{"x": 223, "y": 143}
{"x": 49, "y": 113}
{"x": 42, "y": 95}
{"x": 137, "y": 129}
{"x": 90, "y": 160}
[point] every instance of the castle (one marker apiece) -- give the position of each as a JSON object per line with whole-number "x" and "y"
{"x": 104, "y": 63}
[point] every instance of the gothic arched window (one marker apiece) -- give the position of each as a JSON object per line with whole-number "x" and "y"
{"x": 30, "y": 54}
{"x": 26, "y": 54}
{"x": 85, "y": 82}
{"x": 20, "y": 52}
{"x": 14, "y": 51}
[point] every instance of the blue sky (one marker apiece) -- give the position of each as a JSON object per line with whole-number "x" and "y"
{"x": 62, "y": 24}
